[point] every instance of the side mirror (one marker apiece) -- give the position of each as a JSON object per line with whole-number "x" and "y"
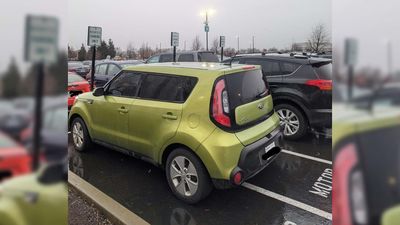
{"x": 98, "y": 91}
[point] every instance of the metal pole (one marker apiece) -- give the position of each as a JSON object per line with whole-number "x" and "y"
{"x": 174, "y": 54}
{"x": 222, "y": 54}
{"x": 207, "y": 31}
{"x": 38, "y": 117}
{"x": 93, "y": 68}
{"x": 238, "y": 44}
{"x": 253, "y": 44}
{"x": 350, "y": 82}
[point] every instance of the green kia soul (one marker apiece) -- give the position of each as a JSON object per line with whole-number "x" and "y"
{"x": 206, "y": 124}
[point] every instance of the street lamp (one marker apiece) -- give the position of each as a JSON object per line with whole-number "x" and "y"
{"x": 238, "y": 50}
{"x": 206, "y": 27}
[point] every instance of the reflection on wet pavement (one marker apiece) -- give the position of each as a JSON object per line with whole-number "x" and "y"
{"x": 142, "y": 188}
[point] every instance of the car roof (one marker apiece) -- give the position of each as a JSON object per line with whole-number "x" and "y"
{"x": 301, "y": 59}
{"x": 184, "y": 68}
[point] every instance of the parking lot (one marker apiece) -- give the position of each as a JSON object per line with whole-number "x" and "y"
{"x": 294, "y": 189}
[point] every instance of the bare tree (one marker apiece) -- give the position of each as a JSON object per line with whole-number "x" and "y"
{"x": 196, "y": 44}
{"x": 131, "y": 52}
{"x": 318, "y": 40}
{"x": 215, "y": 45}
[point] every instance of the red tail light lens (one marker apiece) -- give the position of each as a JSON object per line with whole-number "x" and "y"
{"x": 220, "y": 104}
{"x": 348, "y": 196}
{"x": 324, "y": 85}
{"x": 237, "y": 178}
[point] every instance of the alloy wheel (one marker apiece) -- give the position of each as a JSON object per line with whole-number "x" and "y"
{"x": 184, "y": 176}
{"x": 77, "y": 134}
{"x": 289, "y": 121}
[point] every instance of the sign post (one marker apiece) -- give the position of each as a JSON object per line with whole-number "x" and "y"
{"x": 351, "y": 52}
{"x": 93, "y": 40}
{"x": 41, "y": 46}
{"x": 222, "y": 45}
{"x": 174, "y": 43}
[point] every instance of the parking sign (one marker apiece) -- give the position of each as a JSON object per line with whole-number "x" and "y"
{"x": 174, "y": 39}
{"x": 221, "y": 41}
{"x": 94, "y": 36}
{"x": 41, "y": 39}
{"x": 351, "y": 51}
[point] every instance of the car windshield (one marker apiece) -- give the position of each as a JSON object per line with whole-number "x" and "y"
{"x": 6, "y": 142}
{"x": 208, "y": 57}
{"x": 72, "y": 78}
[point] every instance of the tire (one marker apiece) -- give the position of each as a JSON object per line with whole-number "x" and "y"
{"x": 289, "y": 124}
{"x": 185, "y": 189}
{"x": 82, "y": 133}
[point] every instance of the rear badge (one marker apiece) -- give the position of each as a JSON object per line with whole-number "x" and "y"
{"x": 269, "y": 147}
{"x": 260, "y": 106}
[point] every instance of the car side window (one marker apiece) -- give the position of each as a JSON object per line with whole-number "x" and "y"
{"x": 288, "y": 68}
{"x": 102, "y": 69}
{"x": 166, "y": 88}
{"x": 270, "y": 67}
{"x": 97, "y": 69}
{"x": 154, "y": 59}
{"x": 186, "y": 58}
{"x": 112, "y": 69}
{"x": 166, "y": 58}
{"x": 125, "y": 85}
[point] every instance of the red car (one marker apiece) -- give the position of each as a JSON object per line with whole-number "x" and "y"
{"x": 76, "y": 85}
{"x": 14, "y": 159}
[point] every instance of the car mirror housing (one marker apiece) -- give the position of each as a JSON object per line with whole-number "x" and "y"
{"x": 98, "y": 91}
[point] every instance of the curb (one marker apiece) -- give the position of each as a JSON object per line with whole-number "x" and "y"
{"x": 117, "y": 213}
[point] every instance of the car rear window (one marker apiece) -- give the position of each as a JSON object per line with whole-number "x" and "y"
{"x": 245, "y": 87}
{"x": 72, "y": 78}
{"x": 166, "y": 58}
{"x": 323, "y": 71}
{"x": 167, "y": 87}
{"x": 6, "y": 142}
{"x": 207, "y": 57}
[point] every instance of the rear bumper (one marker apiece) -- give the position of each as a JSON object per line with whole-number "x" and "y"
{"x": 254, "y": 158}
{"x": 321, "y": 118}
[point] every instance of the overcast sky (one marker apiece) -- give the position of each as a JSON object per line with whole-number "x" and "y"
{"x": 273, "y": 22}
{"x": 12, "y": 20}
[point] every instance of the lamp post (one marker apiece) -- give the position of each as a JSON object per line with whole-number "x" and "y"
{"x": 207, "y": 13}
{"x": 238, "y": 49}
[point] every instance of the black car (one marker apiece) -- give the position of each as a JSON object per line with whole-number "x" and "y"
{"x": 187, "y": 56}
{"x": 301, "y": 88}
{"x": 104, "y": 71}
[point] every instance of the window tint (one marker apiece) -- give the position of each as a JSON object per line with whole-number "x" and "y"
{"x": 288, "y": 68}
{"x": 97, "y": 69}
{"x": 167, "y": 88}
{"x": 186, "y": 58}
{"x": 112, "y": 69}
{"x": 102, "y": 69}
{"x": 154, "y": 59}
{"x": 166, "y": 58}
{"x": 269, "y": 67}
{"x": 207, "y": 57}
{"x": 245, "y": 87}
{"x": 125, "y": 84}
{"x": 323, "y": 71}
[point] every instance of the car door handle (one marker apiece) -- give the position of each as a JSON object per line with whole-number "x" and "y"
{"x": 123, "y": 110}
{"x": 169, "y": 116}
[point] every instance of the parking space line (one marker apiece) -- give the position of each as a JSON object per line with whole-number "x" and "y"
{"x": 307, "y": 157}
{"x": 289, "y": 201}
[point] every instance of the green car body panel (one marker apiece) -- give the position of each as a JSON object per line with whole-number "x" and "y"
{"x": 391, "y": 216}
{"x": 149, "y": 134}
{"x": 51, "y": 206}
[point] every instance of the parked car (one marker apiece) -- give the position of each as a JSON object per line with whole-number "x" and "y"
{"x": 39, "y": 198}
{"x": 54, "y": 139}
{"x": 76, "y": 86}
{"x": 205, "y": 124}
{"x": 14, "y": 159}
{"x": 105, "y": 71}
{"x": 301, "y": 88}
{"x": 187, "y": 56}
{"x": 78, "y": 67}
{"x": 366, "y": 164}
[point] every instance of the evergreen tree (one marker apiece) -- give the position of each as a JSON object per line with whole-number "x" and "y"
{"x": 102, "y": 50}
{"x": 82, "y": 53}
{"x": 11, "y": 80}
{"x": 111, "y": 49}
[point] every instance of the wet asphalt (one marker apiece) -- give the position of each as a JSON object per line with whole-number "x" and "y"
{"x": 292, "y": 190}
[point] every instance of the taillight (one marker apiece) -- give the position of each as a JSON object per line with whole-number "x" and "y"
{"x": 324, "y": 85}
{"x": 220, "y": 104}
{"x": 348, "y": 194}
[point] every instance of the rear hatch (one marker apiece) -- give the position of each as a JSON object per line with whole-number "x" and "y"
{"x": 323, "y": 71}
{"x": 246, "y": 105}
